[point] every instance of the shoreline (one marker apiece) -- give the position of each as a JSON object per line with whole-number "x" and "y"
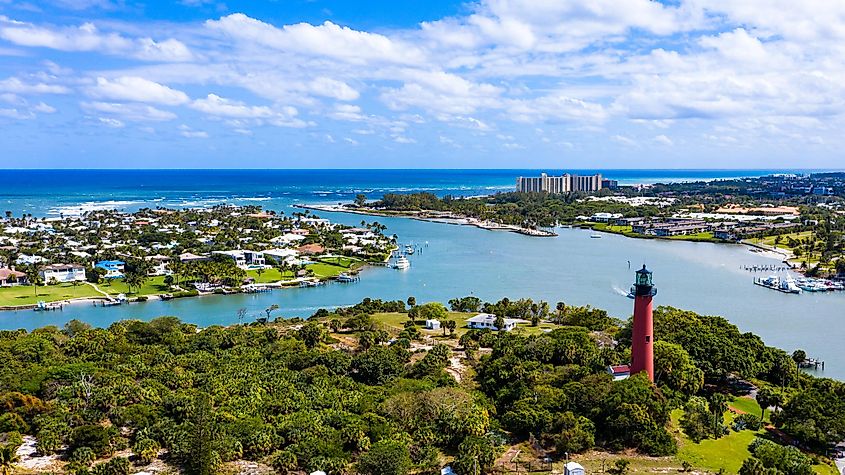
{"x": 429, "y": 216}
{"x": 772, "y": 253}
{"x": 781, "y": 255}
{"x": 246, "y": 289}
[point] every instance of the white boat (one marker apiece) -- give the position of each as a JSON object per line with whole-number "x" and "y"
{"x": 785, "y": 285}
{"x": 401, "y": 262}
{"x": 344, "y": 277}
{"x": 409, "y": 249}
{"x": 788, "y": 285}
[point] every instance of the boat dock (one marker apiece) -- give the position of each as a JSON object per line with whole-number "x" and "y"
{"x": 42, "y": 306}
{"x": 811, "y": 363}
{"x": 786, "y": 285}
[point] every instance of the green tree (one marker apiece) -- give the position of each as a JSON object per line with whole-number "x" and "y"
{"x": 696, "y": 419}
{"x": 33, "y": 276}
{"x": 475, "y": 456}
{"x": 386, "y": 457}
{"x": 311, "y": 333}
{"x": 202, "y": 458}
{"x": 432, "y": 311}
{"x": 577, "y": 433}
{"x": 451, "y": 325}
{"x": 766, "y": 397}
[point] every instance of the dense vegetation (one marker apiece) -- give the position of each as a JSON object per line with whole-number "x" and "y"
{"x": 294, "y": 396}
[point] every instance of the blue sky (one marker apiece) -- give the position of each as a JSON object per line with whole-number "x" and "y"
{"x": 491, "y": 83}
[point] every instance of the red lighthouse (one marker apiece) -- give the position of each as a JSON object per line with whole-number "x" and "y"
{"x": 642, "y": 336}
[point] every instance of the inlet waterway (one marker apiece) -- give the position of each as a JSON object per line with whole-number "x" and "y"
{"x": 456, "y": 261}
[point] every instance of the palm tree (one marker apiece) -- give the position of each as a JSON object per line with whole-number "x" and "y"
{"x": 8, "y": 458}
{"x": 34, "y": 278}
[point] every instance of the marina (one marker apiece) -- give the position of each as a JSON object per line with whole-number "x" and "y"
{"x": 463, "y": 260}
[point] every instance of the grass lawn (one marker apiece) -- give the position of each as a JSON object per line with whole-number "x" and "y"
{"x": 770, "y": 240}
{"x": 396, "y": 321}
{"x": 325, "y": 268}
{"x": 25, "y": 294}
{"x": 153, "y": 285}
{"x": 705, "y": 237}
{"x": 726, "y": 453}
{"x": 341, "y": 261}
{"x": 269, "y": 275}
{"x": 746, "y": 404}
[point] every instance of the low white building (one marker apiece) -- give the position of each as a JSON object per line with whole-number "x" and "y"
{"x": 487, "y": 321}
{"x": 62, "y": 273}
{"x": 573, "y": 468}
{"x": 605, "y": 217}
{"x": 245, "y": 259}
{"x": 432, "y": 324}
{"x": 25, "y": 260}
{"x": 283, "y": 255}
{"x": 287, "y": 239}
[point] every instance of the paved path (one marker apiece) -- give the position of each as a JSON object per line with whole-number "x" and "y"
{"x": 100, "y": 291}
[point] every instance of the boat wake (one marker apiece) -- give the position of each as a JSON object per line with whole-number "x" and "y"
{"x": 620, "y": 290}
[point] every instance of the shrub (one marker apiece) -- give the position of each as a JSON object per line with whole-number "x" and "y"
{"x": 747, "y": 422}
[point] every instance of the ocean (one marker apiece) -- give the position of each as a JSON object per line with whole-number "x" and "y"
{"x": 71, "y": 192}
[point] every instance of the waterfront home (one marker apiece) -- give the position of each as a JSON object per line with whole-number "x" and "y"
{"x": 114, "y": 269}
{"x": 484, "y": 321}
{"x": 62, "y": 273}
{"x": 619, "y": 372}
{"x": 10, "y": 277}
{"x": 159, "y": 263}
{"x": 245, "y": 259}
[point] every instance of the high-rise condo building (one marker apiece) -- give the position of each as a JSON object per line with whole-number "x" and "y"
{"x": 559, "y": 184}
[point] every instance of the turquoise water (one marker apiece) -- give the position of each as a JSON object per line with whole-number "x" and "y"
{"x": 462, "y": 260}
{"x": 57, "y": 192}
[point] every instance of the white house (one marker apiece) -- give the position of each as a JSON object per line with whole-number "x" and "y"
{"x": 488, "y": 321}
{"x": 245, "y": 259}
{"x": 283, "y": 255}
{"x": 63, "y": 273}
{"x": 432, "y": 324}
{"x": 287, "y": 239}
{"x": 24, "y": 259}
{"x": 573, "y": 468}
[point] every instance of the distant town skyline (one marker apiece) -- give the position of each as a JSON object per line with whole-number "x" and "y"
{"x": 518, "y": 84}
